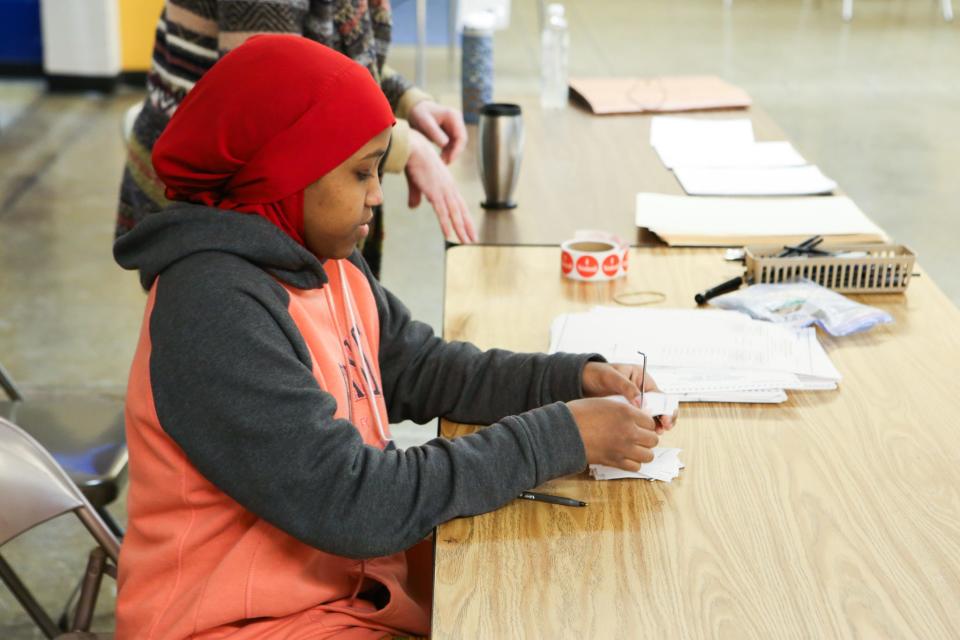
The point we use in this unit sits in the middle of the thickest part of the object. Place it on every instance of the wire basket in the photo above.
(885, 268)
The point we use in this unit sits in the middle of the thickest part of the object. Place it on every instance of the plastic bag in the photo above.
(801, 304)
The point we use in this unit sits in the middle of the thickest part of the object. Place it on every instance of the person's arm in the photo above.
(398, 153)
(240, 19)
(233, 386)
(400, 92)
(402, 96)
(425, 377)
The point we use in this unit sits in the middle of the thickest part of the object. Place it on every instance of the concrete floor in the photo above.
(874, 102)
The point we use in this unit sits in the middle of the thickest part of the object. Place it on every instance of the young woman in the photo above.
(266, 497)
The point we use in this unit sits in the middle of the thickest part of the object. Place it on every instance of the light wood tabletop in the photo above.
(833, 515)
(580, 170)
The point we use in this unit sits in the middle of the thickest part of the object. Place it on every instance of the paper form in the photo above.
(717, 220)
(774, 181)
(753, 155)
(674, 132)
(702, 354)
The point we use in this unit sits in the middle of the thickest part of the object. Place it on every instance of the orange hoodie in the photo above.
(266, 498)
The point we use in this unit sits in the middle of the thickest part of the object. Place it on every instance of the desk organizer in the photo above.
(886, 268)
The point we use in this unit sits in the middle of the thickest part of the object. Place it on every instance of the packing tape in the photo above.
(594, 256)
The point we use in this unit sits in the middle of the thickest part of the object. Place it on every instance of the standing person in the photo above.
(266, 498)
(193, 34)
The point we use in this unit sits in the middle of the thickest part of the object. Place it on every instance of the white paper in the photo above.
(693, 338)
(724, 217)
(754, 155)
(655, 404)
(665, 467)
(703, 355)
(776, 181)
(672, 131)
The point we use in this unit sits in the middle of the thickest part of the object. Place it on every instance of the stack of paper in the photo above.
(665, 467)
(721, 157)
(662, 93)
(668, 132)
(702, 355)
(768, 181)
(717, 143)
(745, 156)
(680, 220)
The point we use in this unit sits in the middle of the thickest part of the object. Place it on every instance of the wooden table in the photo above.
(833, 515)
(580, 170)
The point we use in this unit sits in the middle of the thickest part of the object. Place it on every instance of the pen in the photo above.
(643, 384)
(546, 497)
(643, 377)
(804, 247)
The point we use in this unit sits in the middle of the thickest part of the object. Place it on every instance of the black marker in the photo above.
(546, 497)
(734, 283)
(730, 285)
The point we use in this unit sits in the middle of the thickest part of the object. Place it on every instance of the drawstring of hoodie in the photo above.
(360, 579)
(365, 381)
(367, 377)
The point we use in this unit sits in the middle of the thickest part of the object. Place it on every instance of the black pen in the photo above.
(546, 497)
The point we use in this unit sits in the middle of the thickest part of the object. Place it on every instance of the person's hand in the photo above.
(427, 176)
(441, 125)
(614, 434)
(602, 379)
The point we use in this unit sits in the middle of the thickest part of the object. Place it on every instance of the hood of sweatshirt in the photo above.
(184, 229)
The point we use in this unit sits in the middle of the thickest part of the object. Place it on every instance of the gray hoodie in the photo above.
(231, 381)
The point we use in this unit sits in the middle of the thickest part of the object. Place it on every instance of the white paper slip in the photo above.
(673, 131)
(685, 220)
(665, 467)
(660, 404)
(656, 404)
(777, 181)
(755, 155)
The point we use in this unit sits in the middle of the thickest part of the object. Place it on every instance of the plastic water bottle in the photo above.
(554, 54)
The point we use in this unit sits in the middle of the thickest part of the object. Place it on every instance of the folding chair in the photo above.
(36, 489)
(84, 433)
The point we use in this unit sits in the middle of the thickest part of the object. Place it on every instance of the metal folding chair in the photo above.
(83, 432)
(36, 489)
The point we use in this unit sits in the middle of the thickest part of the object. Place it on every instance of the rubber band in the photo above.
(639, 298)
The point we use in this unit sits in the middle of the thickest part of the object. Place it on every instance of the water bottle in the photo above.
(554, 52)
(477, 64)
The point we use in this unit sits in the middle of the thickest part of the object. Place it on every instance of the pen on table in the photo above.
(546, 497)
(734, 283)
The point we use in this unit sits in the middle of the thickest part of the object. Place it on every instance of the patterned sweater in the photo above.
(192, 35)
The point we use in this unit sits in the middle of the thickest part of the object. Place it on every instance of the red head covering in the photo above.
(272, 116)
